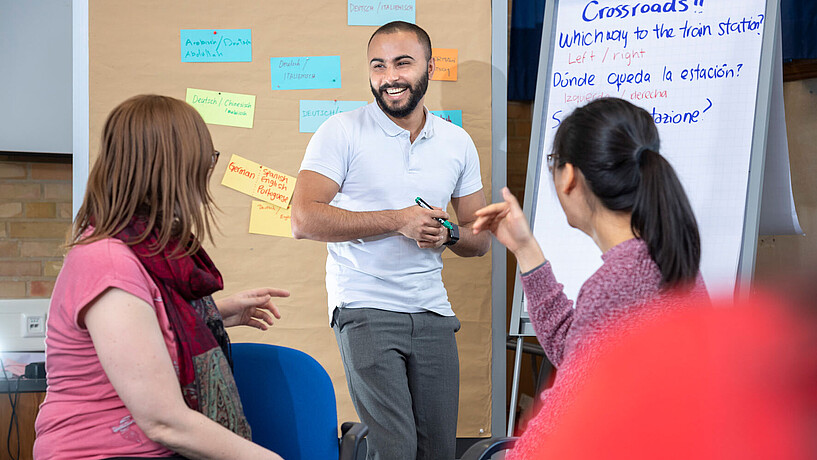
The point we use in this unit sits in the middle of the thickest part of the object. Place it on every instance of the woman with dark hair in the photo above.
(137, 358)
(614, 185)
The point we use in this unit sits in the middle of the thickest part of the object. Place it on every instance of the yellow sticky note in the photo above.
(220, 108)
(445, 64)
(268, 219)
(258, 181)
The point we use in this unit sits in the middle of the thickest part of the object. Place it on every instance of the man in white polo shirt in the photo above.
(387, 304)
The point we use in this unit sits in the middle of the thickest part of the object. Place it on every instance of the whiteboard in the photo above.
(35, 57)
(696, 66)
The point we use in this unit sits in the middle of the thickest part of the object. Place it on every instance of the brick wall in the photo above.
(519, 128)
(35, 215)
(520, 116)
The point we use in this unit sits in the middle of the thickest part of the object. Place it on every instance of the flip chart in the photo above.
(694, 67)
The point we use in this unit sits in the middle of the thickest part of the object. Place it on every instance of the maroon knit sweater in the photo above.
(625, 289)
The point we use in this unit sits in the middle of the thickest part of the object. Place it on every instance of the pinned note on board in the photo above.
(258, 181)
(452, 116)
(445, 64)
(379, 12)
(268, 219)
(313, 113)
(216, 45)
(220, 108)
(305, 72)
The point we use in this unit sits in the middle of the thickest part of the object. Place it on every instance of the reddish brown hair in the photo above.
(155, 161)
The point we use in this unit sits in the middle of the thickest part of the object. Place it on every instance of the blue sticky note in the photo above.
(313, 113)
(216, 45)
(379, 12)
(454, 116)
(305, 72)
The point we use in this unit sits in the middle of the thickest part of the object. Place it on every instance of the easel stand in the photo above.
(517, 363)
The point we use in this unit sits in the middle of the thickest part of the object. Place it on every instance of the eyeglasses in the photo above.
(216, 153)
(551, 160)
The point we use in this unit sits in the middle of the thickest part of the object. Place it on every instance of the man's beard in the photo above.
(417, 92)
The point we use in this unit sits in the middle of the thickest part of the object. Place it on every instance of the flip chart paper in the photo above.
(305, 72)
(445, 64)
(379, 12)
(694, 67)
(313, 113)
(453, 116)
(220, 108)
(258, 181)
(778, 216)
(216, 45)
(268, 219)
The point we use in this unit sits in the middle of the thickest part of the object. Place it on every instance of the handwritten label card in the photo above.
(445, 63)
(220, 108)
(453, 116)
(306, 72)
(216, 45)
(268, 219)
(379, 12)
(258, 181)
(314, 113)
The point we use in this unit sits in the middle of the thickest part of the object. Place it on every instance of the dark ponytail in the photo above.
(616, 147)
(663, 218)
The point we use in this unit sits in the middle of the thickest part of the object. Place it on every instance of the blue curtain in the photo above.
(526, 38)
(799, 24)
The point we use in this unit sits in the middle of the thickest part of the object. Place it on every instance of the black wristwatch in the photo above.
(453, 235)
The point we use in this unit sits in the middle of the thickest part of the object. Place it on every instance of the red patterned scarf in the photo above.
(186, 285)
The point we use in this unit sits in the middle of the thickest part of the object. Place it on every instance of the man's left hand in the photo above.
(435, 240)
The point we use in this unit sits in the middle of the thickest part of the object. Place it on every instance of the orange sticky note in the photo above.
(445, 63)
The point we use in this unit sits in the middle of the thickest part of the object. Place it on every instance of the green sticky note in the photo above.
(220, 108)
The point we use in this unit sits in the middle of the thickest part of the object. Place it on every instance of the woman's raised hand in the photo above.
(510, 227)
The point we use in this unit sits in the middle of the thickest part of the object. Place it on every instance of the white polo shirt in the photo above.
(377, 167)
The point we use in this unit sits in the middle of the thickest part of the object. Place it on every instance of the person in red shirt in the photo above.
(737, 381)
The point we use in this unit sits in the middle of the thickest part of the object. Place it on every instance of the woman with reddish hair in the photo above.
(137, 357)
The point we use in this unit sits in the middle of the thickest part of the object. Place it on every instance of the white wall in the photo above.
(35, 76)
(16, 316)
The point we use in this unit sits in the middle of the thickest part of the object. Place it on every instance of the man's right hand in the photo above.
(422, 226)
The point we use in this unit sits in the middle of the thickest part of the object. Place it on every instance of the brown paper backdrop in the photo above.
(134, 49)
(786, 256)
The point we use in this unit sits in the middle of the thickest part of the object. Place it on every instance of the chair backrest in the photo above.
(288, 399)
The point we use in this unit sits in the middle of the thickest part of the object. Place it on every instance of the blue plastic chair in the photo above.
(290, 404)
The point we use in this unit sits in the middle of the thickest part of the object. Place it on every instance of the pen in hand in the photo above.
(421, 203)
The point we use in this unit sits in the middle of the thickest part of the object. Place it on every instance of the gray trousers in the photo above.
(403, 376)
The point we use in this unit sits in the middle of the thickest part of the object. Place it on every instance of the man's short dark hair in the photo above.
(401, 26)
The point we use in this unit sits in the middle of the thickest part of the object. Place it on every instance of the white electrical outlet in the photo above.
(33, 326)
(23, 324)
